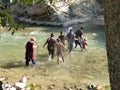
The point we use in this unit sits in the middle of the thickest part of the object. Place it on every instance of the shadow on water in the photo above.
(10, 65)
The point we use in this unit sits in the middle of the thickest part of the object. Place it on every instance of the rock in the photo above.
(24, 79)
(60, 14)
(99, 87)
(1, 79)
(7, 85)
(20, 85)
(17, 8)
(40, 9)
(50, 87)
(70, 89)
(91, 86)
(54, 85)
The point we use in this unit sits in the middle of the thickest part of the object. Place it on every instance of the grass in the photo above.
(79, 70)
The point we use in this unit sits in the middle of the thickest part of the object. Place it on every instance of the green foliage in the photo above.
(107, 87)
(31, 2)
(6, 20)
(6, 16)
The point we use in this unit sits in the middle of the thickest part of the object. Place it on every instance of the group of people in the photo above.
(51, 44)
(77, 38)
(58, 43)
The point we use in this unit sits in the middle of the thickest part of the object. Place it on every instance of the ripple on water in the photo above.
(5, 34)
(34, 33)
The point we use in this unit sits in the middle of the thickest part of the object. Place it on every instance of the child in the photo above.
(60, 48)
(84, 43)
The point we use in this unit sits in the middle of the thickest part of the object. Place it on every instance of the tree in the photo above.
(6, 16)
(6, 19)
(112, 24)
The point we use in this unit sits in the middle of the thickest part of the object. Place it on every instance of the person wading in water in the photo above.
(60, 48)
(30, 51)
(50, 45)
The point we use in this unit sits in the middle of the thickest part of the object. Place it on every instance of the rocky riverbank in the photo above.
(60, 14)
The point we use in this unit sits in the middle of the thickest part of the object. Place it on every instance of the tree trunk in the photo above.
(112, 24)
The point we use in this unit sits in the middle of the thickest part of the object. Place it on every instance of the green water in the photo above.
(12, 48)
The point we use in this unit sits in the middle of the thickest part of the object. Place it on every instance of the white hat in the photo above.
(86, 38)
(70, 28)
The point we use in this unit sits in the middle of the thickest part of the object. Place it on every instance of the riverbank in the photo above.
(97, 21)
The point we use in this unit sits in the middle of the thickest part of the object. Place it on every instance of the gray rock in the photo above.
(60, 14)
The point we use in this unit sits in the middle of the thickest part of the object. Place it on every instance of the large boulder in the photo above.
(61, 13)
(17, 8)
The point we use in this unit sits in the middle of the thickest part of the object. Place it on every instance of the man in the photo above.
(30, 51)
(78, 37)
(70, 38)
(50, 46)
(62, 38)
(79, 33)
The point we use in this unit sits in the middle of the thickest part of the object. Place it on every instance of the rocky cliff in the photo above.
(60, 14)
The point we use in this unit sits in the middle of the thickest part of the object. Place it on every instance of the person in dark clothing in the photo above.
(1, 88)
(30, 51)
(70, 38)
(50, 45)
(78, 37)
(62, 38)
(79, 33)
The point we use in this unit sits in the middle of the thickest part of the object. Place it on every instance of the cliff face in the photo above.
(60, 13)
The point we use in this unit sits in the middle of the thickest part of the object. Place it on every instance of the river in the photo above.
(12, 47)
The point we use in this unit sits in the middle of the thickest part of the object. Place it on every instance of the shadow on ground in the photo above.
(15, 64)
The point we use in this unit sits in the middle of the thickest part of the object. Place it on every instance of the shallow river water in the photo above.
(12, 48)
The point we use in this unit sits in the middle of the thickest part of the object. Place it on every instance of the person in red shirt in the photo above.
(84, 43)
(30, 51)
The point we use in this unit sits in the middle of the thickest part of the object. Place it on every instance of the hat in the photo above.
(85, 39)
(33, 39)
(70, 28)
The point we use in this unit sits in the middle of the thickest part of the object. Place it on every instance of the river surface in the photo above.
(80, 67)
(12, 47)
